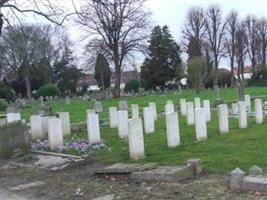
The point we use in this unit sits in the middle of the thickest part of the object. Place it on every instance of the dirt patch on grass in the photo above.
(80, 183)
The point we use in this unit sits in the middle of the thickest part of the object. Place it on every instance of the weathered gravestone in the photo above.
(207, 109)
(149, 123)
(154, 108)
(172, 127)
(197, 102)
(190, 117)
(136, 139)
(93, 129)
(67, 100)
(55, 133)
(258, 111)
(65, 119)
(45, 125)
(98, 107)
(223, 118)
(183, 107)
(36, 127)
(113, 117)
(242, 114)
(13, 136)
(200, 124)
(123, 105)
(248, 103)
(13, 117)
(123, 127)
(135, 111)
(169, 107)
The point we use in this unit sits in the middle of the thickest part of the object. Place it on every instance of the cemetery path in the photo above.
(81, 184)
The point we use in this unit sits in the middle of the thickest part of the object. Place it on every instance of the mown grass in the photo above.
(219, 153)
(77, 108)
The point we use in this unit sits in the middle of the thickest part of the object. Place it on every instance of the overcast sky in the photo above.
(173, 12)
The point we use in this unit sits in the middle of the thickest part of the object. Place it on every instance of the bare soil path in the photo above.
(81, 184)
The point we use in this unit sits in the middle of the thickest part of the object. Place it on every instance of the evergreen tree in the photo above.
(102, 72)
(65, 74)
(163, 61)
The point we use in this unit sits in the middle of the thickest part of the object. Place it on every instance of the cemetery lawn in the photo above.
(219, 153)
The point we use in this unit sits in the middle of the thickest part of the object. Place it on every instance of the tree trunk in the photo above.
(240, 90)
(215, 83)
(117, 91)
(27, 79)
(232, 73)
(28, 87)
(1, 23)
(240, 86)
(264, 55)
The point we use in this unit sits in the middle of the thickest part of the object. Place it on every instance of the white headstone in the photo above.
(206, 106)
(248, 103)
(90, 111)
(36, 127)
(172, 126)
(113, 117)
(67, 100)
(169, 102)
(45, 124)
(190, 116)
(136, 139)
(258, 111)
(234, 109)
(93, 129)
(154, 108)
(149, 123)
(135, 111)
(201, 126)
(169, 108)
(65, 118)
(13, 117)
(123, 105)
(123, 123)
(98, 107)
(55, 133)
(223, 118)
(183, 107)
(242, 114)
(197, 102)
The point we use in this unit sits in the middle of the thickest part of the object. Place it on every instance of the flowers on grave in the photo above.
(77, 147)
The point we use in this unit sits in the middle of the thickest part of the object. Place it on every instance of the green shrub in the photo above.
(259, 78)
(3, 104)
(6, 92)
(132, 86)
(48, 90)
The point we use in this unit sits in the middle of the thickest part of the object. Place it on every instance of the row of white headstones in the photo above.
(49, 127)
(132, 129)
(194, 113)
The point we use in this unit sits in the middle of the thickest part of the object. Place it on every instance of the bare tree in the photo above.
(241, 52)
(48, 9)
(215, 34)
(251, 39)
(230, 41)
(119, 27)
(262, 38)
(27, 47)
(194, 26)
